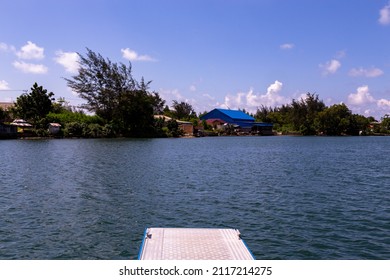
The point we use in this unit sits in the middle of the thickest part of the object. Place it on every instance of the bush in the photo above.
(73, 129)
(69, 117)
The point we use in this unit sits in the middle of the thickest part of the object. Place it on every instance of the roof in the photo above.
(20, 122)
(236, 114)
(229, 116)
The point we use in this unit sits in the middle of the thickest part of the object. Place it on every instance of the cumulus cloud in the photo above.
(384, 15)
(69, 60)
(3, 85)
(134, 56)
(362, 96)
(31, 51)
(286, 46)
(170, 94)
(330, 67)
(383, 103)
(362, 102)
(30, 67)
(251, 101)
(370, 73)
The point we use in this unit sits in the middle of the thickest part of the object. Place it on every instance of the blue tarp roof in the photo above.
(236, 114)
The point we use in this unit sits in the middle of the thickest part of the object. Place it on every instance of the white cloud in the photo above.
(251, 101)
(235, 101)
(208, 96)
(362, 102)
(384, 15)
(362, 96)
(287, 46)
(72, 92)
(170, 94)
(5, 48)
(70, 60)
(134, 56)
(370, 73)
(30, 67)
(330, 67)
(192, 88)
(31, 51)
(383, 103)
(3, 85)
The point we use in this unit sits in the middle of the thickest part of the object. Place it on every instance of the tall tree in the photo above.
(34, 106)
(4, 115)
(101, 83)
(263, 114)
(304, 112)
(113, 94)
(334, 120)
(183, 110)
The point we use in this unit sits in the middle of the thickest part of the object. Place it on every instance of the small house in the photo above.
(54, 128)
(239, 120)
(21, 124)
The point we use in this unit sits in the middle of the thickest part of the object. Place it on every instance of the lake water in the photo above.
(291, 197)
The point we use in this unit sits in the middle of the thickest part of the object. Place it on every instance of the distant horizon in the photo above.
(210, 54)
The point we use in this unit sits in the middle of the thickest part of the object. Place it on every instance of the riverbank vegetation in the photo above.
(310, 116)
(118, 105)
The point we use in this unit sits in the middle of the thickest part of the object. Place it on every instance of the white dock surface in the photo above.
(193, 244)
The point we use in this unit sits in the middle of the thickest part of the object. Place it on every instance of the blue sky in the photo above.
(209, 53)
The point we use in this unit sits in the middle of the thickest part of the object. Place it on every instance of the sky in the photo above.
(237, 54)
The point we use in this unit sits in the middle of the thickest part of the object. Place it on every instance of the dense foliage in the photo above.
(34, 106)
(113, 94)
(4, 115)
(182, 111)
(310, 116)
(122, 106)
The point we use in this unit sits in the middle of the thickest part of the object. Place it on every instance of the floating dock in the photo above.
(193, 244)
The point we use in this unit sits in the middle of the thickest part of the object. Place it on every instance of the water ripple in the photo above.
(291, 197)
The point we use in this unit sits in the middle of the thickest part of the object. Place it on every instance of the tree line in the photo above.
(310, 116)
(122, 106)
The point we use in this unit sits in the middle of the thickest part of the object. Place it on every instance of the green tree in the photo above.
(34, 106)
(135, 113)
(113, 94)
(385, 124)
(358, 125)
(304, 112)
(4, 115)
(263, 114)
(101, 82)
(334, 120)
(173, 129)
(183, 111)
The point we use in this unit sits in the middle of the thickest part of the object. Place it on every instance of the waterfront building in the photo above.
(240, 120)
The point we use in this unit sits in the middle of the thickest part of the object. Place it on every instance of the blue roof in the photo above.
(236, 114)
